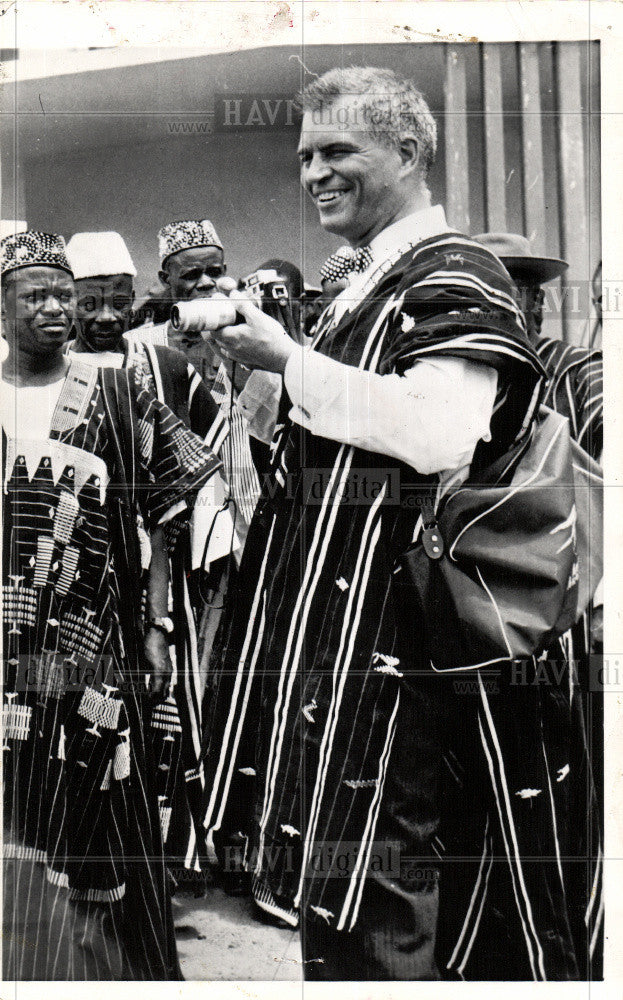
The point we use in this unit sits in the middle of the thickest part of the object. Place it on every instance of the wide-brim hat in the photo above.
(516, 254)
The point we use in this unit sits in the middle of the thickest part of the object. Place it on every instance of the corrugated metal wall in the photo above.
(555, 96)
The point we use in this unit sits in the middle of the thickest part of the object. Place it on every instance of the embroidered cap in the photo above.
(176, 236)
(33, 249)
(345, 261)
(94, 254)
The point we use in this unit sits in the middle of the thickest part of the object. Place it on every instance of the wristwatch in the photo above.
(163, 624)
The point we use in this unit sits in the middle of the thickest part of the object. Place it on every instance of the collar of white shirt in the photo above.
(413, 228)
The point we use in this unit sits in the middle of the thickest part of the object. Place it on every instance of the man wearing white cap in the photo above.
(104, 273)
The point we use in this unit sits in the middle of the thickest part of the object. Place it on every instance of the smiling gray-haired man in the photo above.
(376, 818)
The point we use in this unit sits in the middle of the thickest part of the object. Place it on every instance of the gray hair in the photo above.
(392, 108)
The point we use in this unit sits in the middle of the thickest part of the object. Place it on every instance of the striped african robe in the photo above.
(238, 467)
(176, 728)
(84, 879)
(575, 389)
(322, 710)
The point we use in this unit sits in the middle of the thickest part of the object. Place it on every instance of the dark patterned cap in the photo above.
(176, 236)
(33, 249)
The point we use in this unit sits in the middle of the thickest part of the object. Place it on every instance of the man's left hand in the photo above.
(259, 342)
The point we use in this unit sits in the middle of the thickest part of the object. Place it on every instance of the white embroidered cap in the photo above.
(93, 254)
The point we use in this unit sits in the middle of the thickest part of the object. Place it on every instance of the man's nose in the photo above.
(315, 170)
(105, 314)
(52, 305)
(205, 281)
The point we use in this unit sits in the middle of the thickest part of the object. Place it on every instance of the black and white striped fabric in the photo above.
(238, 463)
(576, 389)
(85, 892)
(320, 694)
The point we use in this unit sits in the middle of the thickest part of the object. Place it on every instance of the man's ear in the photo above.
(409, 151)
(3, 298)
(164, 277)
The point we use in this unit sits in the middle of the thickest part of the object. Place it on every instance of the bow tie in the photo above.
(345, 261)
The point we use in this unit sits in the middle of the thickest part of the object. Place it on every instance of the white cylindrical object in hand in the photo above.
(203, 315)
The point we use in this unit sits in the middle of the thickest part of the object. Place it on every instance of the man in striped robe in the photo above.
(94, 467)
(575, 390)
(402, 815)
(104, 279)
(192, 266)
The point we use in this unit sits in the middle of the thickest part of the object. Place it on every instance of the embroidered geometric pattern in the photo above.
(98, 895)
(80, 636)
(166, 716)
(165, 818)
(75, 397)
(19, 604)
(49, 675)
(345, 261)
(186, 452)
(105, 785)
(194, 773)
(57, 878)
(32, 249)
(68, 570)
(65, 518)
(142, 374)
(22, 852)
(146, 439)
(100, 710)
(45, 551)
(16, 721)
(176, 236)
(121, 762)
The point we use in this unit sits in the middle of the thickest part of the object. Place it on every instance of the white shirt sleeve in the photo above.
(431, 418)
(259, 404)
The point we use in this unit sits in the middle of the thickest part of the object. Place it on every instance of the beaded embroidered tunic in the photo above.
(79, 774)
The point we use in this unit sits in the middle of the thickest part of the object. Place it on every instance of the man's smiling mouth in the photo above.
(328, 197)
